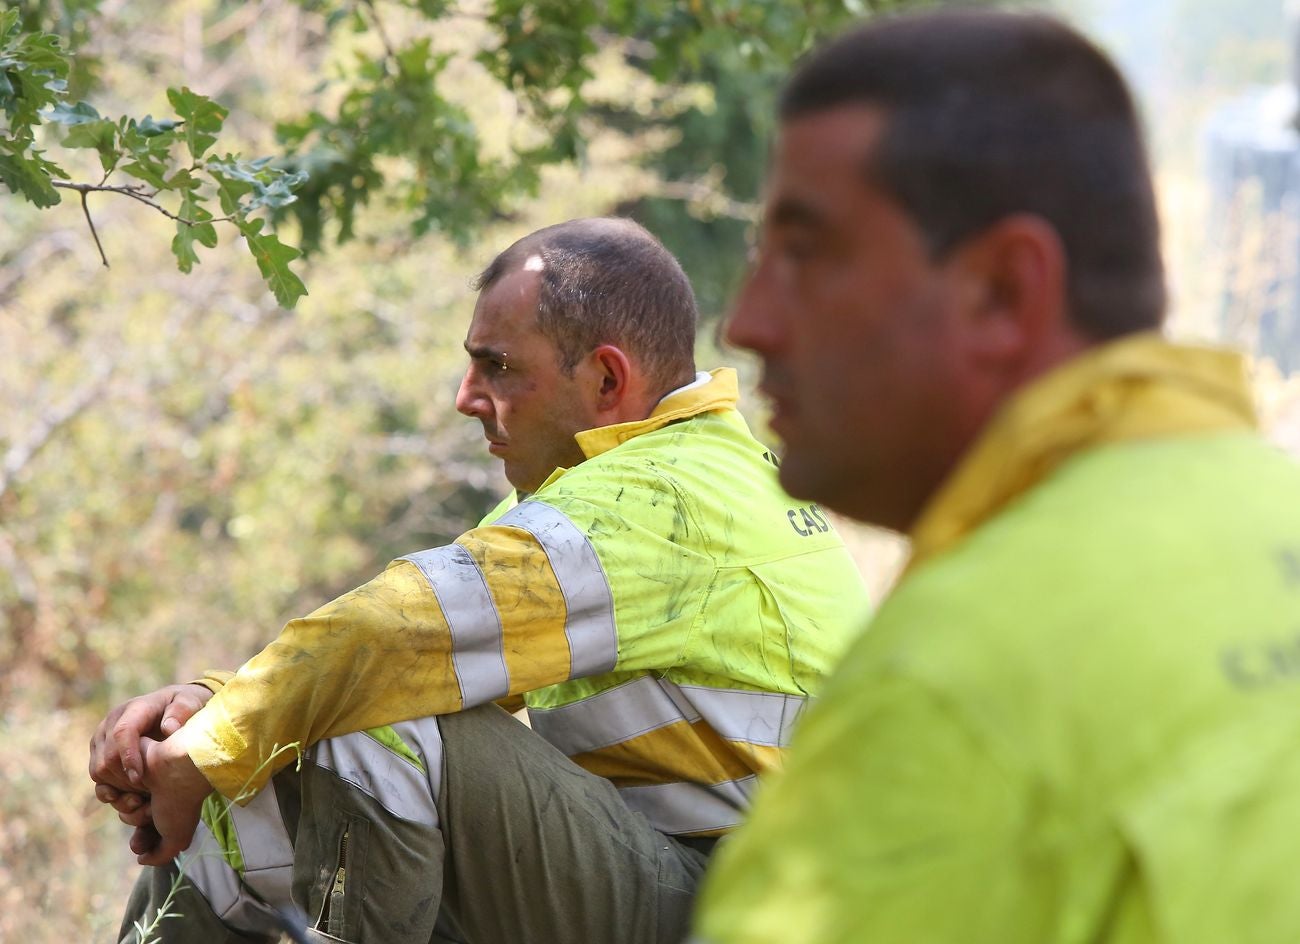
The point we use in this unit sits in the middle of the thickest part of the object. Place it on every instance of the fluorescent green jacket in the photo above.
(664, 607)
(1077, 719)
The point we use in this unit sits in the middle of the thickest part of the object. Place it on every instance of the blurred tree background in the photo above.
(185, 464)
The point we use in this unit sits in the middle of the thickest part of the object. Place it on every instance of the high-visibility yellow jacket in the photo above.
(664, 606)
(1077, 718)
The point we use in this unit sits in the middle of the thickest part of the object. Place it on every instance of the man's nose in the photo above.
(469, 398)
(753, 321)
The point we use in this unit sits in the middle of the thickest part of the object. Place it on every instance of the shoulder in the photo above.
(1077, 586)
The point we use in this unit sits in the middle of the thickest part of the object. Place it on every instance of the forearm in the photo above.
(388, 652)
(378, 655)
(239, 741)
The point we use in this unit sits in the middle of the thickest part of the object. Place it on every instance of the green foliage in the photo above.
(33, 92)
(202, 119)
(389, 117)
(393, 108)
(33, 76)
(273, 258)
(542, 46)
(541, 52)
(740, 51)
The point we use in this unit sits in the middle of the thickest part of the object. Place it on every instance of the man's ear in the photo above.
(1013, 283)
(613, 371)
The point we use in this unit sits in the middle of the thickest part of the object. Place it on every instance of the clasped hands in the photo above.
(141, 768)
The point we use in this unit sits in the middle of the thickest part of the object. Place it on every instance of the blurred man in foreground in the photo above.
(663, 629)
(1077, 718)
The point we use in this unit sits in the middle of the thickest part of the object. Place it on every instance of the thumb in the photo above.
(179, 710)
(144, 840)
(147, 746)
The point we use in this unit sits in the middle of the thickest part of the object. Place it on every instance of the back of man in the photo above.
(731, 609)
(1093, 744)
(1075, 719)
(1135, 689)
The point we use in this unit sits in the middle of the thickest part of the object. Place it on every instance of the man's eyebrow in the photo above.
(481, 351)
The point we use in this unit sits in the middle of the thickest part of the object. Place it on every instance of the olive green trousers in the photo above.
(461, 829)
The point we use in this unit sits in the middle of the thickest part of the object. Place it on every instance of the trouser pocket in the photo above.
(341, 886)
(380, 885)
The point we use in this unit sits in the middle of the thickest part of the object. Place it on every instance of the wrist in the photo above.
(199, 690)
(171, 768)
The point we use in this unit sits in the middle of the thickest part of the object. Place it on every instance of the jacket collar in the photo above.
(1140, 387)
(720, 393)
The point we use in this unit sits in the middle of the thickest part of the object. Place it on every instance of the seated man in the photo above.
(663, 607)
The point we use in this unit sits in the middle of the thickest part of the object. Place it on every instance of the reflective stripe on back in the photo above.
(590, 628)
(610, 717)
(475, 626)
(753, 717)
(646, 703)
(424, 737)
(677, 808)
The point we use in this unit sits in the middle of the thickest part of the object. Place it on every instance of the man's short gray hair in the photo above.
(607, 280)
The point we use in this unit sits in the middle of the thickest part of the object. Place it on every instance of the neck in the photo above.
(646, 399)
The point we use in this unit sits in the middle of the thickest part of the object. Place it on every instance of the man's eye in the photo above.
(798, 250)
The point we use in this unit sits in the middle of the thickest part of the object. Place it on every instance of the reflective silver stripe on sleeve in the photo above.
(395, 783)
(590, 628)
(266, 847)
(475, 626)
(621, 713)
(267, 852)
(425, 738)
(219, 884)
(677, 808)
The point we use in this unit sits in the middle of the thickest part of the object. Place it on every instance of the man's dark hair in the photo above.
(991, 114)
(608, 281)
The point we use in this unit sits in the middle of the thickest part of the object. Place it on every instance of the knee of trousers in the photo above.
(485, 734)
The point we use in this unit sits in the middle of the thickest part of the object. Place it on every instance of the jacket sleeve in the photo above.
(507, 609)
(213, 679)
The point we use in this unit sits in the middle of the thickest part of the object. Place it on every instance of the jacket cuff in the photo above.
(213, 679)
(218, 749)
